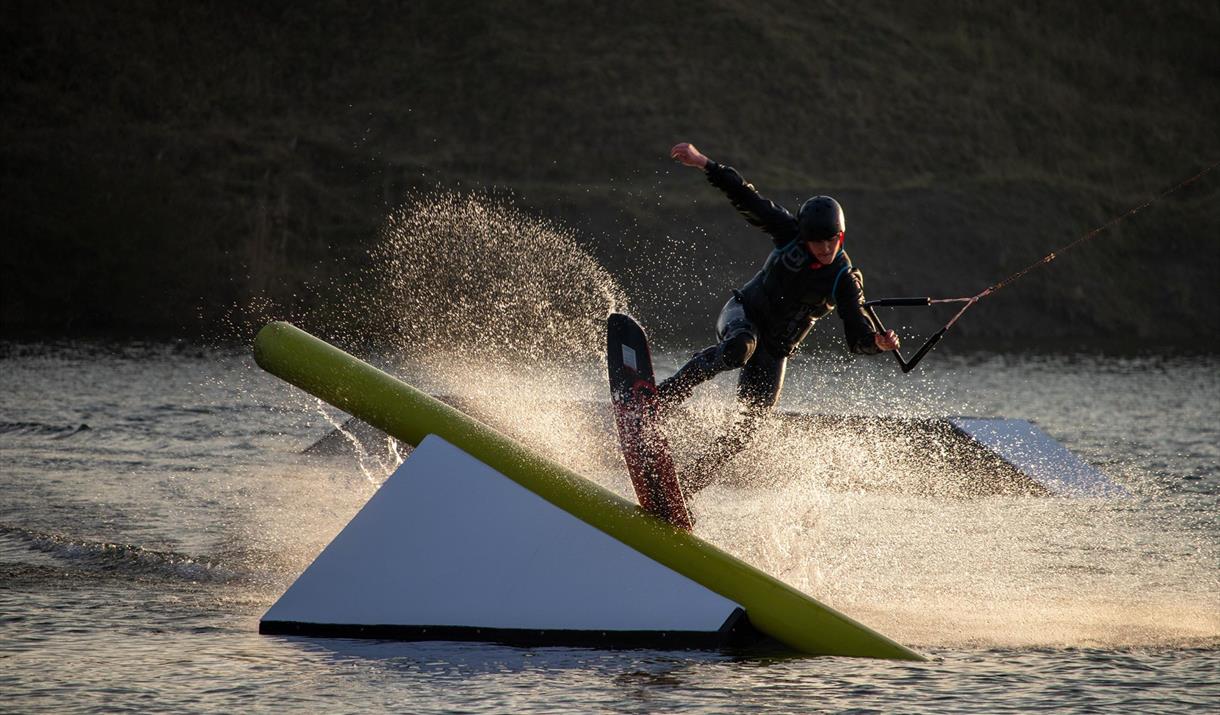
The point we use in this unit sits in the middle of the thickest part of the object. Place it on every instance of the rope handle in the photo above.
(909, 365)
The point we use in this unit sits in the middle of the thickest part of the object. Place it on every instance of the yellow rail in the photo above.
(354, 386)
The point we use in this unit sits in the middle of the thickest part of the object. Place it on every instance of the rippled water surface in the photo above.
(155, 502)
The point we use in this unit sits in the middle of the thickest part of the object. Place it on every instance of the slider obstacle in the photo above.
(537, 525)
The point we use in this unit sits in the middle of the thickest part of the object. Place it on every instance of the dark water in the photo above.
(154, 504)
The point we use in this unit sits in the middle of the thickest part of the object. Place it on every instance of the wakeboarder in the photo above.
(806, 276)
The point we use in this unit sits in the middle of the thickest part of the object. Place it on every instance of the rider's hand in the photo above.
(886, 341)
(686, 154)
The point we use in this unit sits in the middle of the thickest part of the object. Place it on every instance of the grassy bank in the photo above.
(163, 163)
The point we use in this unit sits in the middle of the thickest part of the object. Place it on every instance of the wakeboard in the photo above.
(633, 390)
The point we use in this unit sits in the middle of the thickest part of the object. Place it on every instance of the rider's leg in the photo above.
(738, 342)
(758, 390)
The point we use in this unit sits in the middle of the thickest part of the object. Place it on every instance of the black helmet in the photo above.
(820, 219)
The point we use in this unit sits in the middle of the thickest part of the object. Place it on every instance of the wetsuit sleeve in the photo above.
(858, 327)
(761, 212)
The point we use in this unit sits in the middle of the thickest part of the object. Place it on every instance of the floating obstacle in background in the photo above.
(948, 456)
(476, 537)
(1037, 456)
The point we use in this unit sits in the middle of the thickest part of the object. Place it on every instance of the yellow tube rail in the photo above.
(778, 610)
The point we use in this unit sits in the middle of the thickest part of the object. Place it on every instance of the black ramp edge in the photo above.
(737, 632)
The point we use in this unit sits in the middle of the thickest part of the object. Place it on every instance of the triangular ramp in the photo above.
(450, 549)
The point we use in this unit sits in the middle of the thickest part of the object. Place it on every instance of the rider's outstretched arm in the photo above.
(759, 211)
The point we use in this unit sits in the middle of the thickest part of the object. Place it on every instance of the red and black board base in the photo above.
(634, 393)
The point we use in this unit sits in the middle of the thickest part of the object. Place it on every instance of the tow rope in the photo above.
(909, 364)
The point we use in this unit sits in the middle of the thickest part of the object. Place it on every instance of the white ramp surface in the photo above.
(1039, 456)
(449, 541)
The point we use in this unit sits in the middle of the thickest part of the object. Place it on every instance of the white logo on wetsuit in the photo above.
(794, 257)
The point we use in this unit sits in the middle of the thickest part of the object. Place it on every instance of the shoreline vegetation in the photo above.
(169, 167)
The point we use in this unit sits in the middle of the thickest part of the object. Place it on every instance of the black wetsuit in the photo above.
(767, 318)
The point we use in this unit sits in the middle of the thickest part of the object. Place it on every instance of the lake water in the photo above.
(154, 502)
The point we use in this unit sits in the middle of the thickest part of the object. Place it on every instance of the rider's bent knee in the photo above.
(736, 351)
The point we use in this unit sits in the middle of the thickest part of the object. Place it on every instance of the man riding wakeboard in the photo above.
(806, 276)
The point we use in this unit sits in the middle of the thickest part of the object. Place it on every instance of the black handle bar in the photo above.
(906, 365)
(897, 302)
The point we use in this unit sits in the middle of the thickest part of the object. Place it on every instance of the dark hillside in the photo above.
(163, 161)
